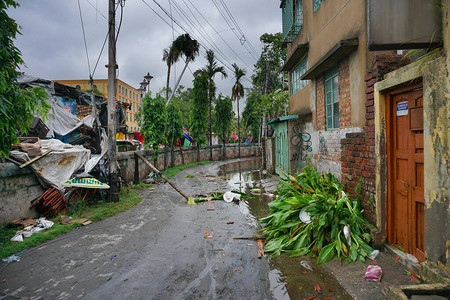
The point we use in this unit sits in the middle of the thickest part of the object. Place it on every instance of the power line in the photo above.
(216, 32)
(240, 38)
(238, 27)
(104, 17)
(84, 38)
(226, 64)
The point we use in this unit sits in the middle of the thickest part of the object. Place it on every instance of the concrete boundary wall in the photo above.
(18, 187)
(126, 159)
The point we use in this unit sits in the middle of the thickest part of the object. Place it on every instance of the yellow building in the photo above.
(125, 93)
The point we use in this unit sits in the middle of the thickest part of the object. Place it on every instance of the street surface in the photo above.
(158, 250)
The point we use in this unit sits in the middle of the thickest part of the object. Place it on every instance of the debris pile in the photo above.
(313, 215)
(41, 224)
(50, 203)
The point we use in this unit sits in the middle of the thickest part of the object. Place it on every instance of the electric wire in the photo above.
(237, 26)
(104, 17)
(84, 38)
(225, 42)
(226, 64)
(202, 33)
(243, 42)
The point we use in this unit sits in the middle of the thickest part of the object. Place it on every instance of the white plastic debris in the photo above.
(305, 265)
(412, 258)
(347, 234)
(230, 196)
(11, 258)
(29, 230)
(374, 254)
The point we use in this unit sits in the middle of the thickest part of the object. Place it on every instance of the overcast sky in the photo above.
(53, 48)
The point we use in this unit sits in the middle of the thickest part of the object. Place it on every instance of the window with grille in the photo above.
(292, 19)
(296, 83)
(332, 98)
(316, 4)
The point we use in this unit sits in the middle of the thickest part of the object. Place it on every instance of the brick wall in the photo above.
(320, 109)
(344, 97)
(358, 149)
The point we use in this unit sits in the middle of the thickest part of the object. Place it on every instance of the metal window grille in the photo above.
(292, 13)
(316, 4)
(332, 98)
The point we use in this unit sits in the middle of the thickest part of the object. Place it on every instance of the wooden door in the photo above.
(406, 170)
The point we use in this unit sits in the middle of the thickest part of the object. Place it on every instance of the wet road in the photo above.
(157, 250)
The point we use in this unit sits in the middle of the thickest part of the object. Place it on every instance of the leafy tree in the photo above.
(199, 110)
(251, 116)
(274, 104)
(211, 69)
(183, 100)
(153, 118)
(17, 106)
(267, 75)
(223, 115)
(174, 127)
(264, 97)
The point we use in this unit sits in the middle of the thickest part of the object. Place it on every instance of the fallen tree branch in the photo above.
(162, 175)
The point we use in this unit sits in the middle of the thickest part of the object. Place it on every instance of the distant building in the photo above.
(125, 93)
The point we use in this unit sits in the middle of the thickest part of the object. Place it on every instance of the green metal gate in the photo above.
(281, 148)
(281, 143)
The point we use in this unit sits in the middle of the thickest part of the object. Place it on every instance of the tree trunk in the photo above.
(165, 157)
(167, 84)
(181, 151)
(178, 82)
(172, 156)
(198, 152)
(239, 130)
(155, 160)
(224, 156)
(210, 129)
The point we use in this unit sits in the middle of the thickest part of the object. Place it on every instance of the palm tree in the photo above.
(187, 47)
(211, 69)
(237, 91)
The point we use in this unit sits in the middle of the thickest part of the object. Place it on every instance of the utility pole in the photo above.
(112, 66)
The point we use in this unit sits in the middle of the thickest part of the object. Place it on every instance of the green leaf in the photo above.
(298, 252)
(326, 253)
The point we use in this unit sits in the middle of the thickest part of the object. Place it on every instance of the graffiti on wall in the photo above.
(323, 149)
(301, 142)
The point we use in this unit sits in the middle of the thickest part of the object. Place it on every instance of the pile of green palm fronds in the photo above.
(336, 225)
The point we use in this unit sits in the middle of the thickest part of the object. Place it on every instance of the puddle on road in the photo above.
(288, 279)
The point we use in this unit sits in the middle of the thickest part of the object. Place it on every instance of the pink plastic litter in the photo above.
(373, 273)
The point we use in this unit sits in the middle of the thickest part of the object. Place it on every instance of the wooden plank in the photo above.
(35, 159)
(210, 205)
(162, 175)
(260, 249)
